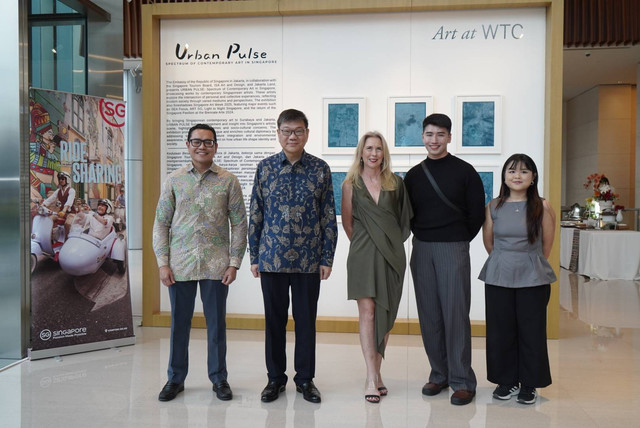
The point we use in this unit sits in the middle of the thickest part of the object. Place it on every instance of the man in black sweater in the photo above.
(448, 213)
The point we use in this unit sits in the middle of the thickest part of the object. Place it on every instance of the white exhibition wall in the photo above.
(442, 55)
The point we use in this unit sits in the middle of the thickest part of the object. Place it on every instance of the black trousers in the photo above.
(517, 335)
(305, 290)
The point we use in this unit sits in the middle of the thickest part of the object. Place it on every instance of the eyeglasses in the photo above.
(196, 142)
(299, 132)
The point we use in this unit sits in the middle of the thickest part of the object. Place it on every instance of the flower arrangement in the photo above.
(602, 190)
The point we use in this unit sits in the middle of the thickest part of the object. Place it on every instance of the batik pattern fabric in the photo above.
(200, 226)
(292, 223)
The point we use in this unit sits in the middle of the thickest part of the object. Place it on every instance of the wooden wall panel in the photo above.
(587, 23)
(601, 23)
(132, 27)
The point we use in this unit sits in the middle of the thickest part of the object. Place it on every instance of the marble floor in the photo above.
(595, 367)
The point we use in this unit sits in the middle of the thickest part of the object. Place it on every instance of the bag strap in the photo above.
(437, 188)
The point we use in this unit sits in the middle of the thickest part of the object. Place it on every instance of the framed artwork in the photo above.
(405, 116)
(342, 124)
(402, 173)
(401, 166)
(478, 124)
(338, 174)
(490, 176)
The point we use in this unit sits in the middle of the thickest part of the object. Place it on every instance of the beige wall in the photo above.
(601, 137)
(637, 157)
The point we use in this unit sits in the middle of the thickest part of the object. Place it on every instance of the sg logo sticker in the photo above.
(111, 111)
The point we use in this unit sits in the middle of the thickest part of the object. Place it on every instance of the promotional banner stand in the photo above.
(80, 293)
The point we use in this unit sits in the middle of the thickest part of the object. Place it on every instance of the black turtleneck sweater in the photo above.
(435, 221)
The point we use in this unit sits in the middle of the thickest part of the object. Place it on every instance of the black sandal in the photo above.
(372, 398)
(370, 395)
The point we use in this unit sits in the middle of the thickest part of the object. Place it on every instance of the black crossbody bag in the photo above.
(437, 188)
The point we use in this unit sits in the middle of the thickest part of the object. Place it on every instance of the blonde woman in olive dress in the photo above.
(375, 215)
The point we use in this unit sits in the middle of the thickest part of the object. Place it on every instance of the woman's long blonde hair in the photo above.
(387, 180)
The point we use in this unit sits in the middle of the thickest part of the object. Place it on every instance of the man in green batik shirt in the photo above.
(199, 204)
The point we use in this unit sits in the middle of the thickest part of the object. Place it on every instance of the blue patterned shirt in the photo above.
(292, 223)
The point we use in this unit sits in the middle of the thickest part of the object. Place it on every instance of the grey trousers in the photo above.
(442, 279)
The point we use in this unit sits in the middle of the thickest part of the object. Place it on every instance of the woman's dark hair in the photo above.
(535, 209)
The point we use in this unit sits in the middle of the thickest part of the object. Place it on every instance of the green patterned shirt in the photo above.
(193, 218)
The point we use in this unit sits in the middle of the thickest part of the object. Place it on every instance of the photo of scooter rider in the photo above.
(49, 237)
(92, 240)
(52, 218)
(61, 201)
(64, 196)
(97, 223)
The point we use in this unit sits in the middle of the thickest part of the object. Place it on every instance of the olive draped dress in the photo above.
(377, 261)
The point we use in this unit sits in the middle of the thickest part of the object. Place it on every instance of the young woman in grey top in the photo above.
(518, 234)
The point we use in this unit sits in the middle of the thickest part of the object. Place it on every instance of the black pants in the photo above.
(517, 335)
(305, 290)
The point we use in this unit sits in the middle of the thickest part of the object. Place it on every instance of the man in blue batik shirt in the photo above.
(292, 240)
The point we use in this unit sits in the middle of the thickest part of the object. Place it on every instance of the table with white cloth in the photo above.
(566, 246)
(602, 254)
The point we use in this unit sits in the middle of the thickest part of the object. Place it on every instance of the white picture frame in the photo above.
(343, 122)
(404, 123)
(491, 176)
(478, 124)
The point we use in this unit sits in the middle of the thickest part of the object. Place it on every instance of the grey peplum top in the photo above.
(514, 262)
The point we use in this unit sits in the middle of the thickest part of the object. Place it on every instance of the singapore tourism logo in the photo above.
(45, 334)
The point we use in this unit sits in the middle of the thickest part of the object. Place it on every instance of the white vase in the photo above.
(605, 205)
(619, 217)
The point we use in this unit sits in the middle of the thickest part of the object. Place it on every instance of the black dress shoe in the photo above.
(223, 390)
(309, 392)
(272, 391)
(462, 397)
(431, 388)
(170, 390)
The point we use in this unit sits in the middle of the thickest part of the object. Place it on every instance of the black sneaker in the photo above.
(505, 392)
(527, 395)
